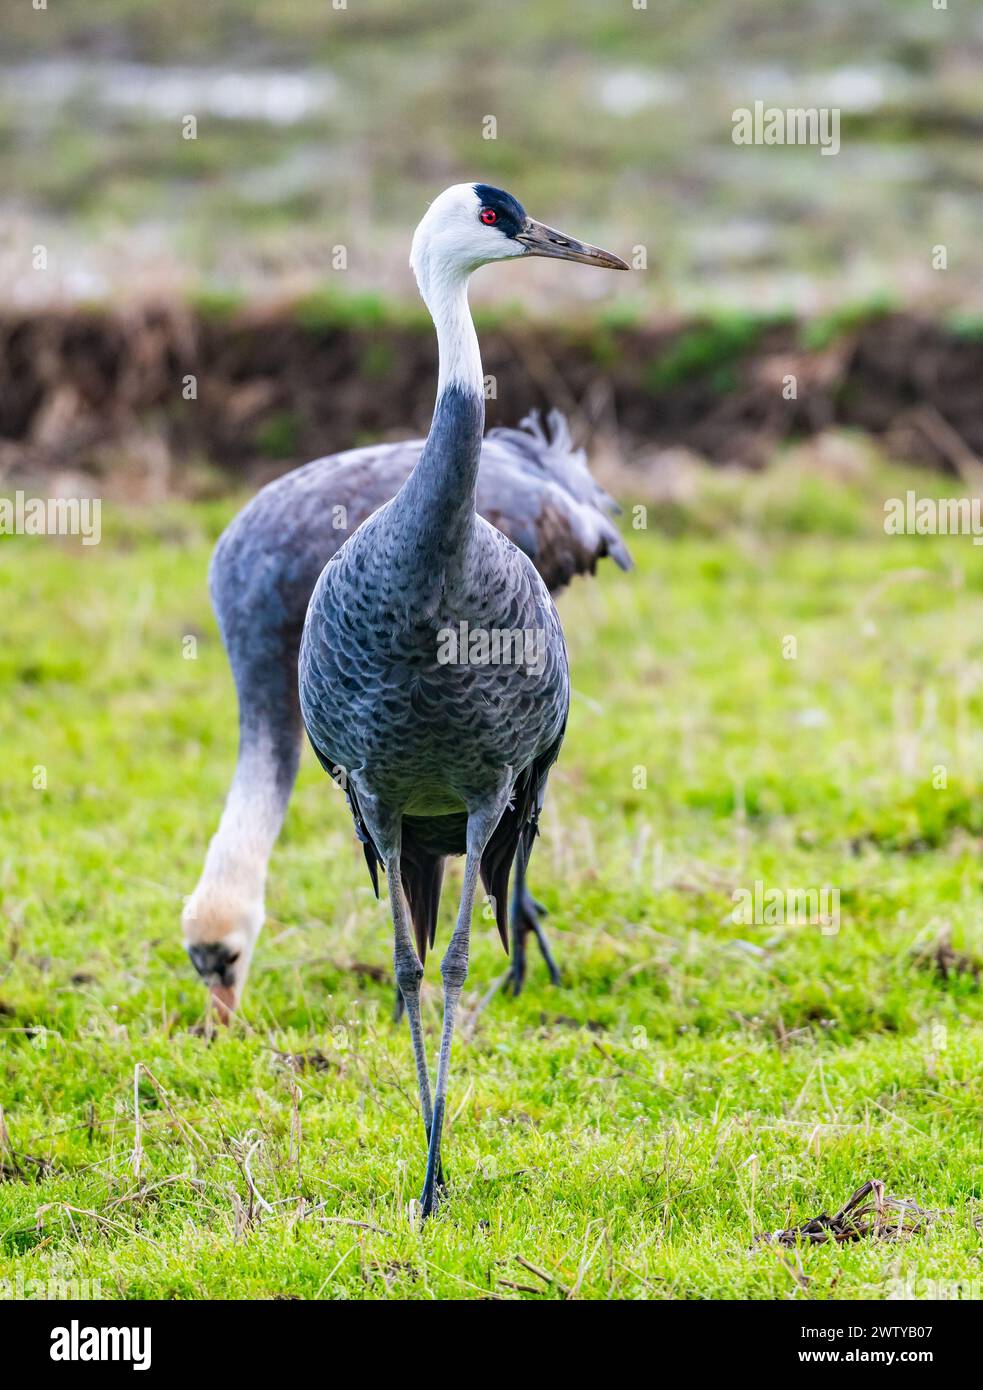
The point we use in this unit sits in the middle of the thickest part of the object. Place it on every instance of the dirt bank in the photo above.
(165, 391)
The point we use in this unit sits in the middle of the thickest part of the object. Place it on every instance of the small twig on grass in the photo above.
(336, 1220)
(185, 1130)
(139, 1193)
(102, 1220)
(253, 1189)
(585, 1265)
(542, 1274)
(240, 1220)
(859, 1219)
(362, 1225)
(137, 1158)
(240, 1156)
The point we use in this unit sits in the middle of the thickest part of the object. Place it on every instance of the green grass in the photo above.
(693, 1083)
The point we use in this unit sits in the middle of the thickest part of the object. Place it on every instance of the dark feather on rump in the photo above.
(422, 875)
(372, 857)
(428, 840)
(520, 822)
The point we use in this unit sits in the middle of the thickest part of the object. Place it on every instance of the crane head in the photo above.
(220, 931)
(471, 224)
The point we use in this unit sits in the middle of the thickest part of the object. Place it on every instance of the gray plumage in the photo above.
(421, 739)
(532, 484)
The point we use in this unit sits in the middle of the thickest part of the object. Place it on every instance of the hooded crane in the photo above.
(532, 484)
(443, 747)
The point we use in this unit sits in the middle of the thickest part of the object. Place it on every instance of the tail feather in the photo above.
(569, 527)
(519, 826)
(617, 549)
(496, 868)
(427, 840)
(549, 445)
(422, 875)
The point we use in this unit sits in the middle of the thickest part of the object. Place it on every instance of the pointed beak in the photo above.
(541, 240)
(215, 963)
(224, 1002)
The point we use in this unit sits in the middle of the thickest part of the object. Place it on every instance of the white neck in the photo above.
(445, 293)
(240, 849)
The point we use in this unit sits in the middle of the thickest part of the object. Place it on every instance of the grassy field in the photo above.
(693, 1083)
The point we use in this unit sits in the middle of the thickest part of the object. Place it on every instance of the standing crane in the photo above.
(443, 746)
(532, 484)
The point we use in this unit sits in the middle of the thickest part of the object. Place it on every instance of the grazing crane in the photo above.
(433, 671)
(532, 484)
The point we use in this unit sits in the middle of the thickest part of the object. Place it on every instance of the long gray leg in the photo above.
(409, 973)
(517, 969)
(454, 969)
(385, 831)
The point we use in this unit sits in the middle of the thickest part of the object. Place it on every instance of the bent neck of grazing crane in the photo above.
(442, 487)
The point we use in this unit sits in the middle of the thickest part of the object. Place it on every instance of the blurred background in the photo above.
(320, 129)
(319, 125)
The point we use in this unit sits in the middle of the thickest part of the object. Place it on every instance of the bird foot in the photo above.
(432, 1196)
(428, 1204)
(434, 1184)
(525, 920)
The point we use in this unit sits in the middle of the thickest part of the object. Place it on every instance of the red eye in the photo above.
(489, 216)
